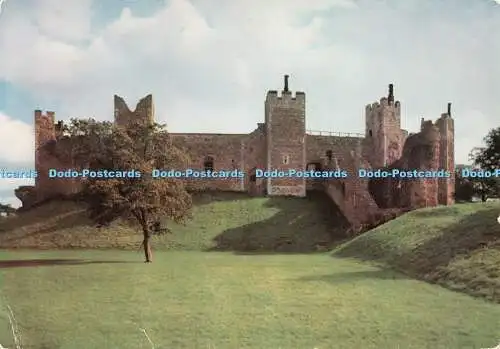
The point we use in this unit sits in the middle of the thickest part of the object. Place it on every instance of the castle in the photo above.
(282, 142)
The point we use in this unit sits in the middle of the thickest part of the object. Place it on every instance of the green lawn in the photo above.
(6, 337)
(221, 300)
(227, 280)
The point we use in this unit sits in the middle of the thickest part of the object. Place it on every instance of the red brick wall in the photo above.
(45, 159)
(226, 150)
(420, 152)
(283, 134)
(446, 187)
(255, 152)
(383, 132)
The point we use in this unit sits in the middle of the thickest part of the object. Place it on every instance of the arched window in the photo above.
(329, 155)
(208, 164)
(370, 133)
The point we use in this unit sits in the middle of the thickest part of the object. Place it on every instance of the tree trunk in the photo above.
(148, 254)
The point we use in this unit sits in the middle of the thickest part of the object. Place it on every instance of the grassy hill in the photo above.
(456, 246)
(221, 221)
(193, 299)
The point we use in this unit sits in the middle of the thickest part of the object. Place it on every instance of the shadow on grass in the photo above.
(66, 209)
(436, 212)
(70, 212)
(356, 276)
(430, 260)
(24, 263)
(477, 230)
(67, 220)
(301, 225)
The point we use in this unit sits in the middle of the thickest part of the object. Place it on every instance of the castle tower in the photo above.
(144, 111)
(44, 128)
(427, 158)
(285, 140)
(446, 186)
(383, 130)
(44, 133)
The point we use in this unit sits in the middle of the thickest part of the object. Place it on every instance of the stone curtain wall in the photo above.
(281, 142)
(226, 152)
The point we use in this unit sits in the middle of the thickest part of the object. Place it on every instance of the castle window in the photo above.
(314, 166)
(370, 133)
(329, 155)
(233, 163)
(208, 164)
(286, 159)
(253, 176)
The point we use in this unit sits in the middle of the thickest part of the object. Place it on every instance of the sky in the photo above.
(209, 64)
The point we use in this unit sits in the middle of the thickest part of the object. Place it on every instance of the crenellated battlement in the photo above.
(40, 116)
(273, 94)
(427, 125)
(44, 127)
(445, 121)
(443, 124)
(382, 104)
(286, 98)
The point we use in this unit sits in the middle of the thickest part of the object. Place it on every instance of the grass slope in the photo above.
(222, 221)
(101, 299)
(456, 246)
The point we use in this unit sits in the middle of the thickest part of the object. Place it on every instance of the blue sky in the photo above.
(210, 63)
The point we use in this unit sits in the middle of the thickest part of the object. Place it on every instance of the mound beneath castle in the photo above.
(455, 246)
(221, 221)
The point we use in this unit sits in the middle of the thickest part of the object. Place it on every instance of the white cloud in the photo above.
(17, 144)
(2, 3)
(209, 65)
(13, 201)
(64, 20)
(16, 140)
(7, 187)
(12, 183)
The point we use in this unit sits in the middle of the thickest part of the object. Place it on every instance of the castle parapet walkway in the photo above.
(335, 134)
